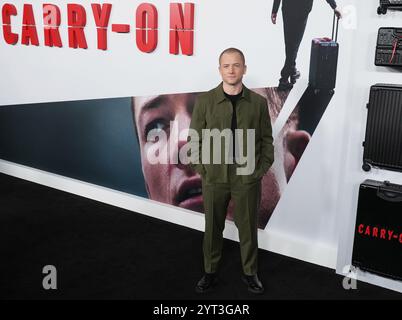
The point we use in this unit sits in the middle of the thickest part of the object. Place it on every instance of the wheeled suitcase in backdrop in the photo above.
(389, 4)
(377, 245)
(389, 47)
(324, 60)
(383, 141)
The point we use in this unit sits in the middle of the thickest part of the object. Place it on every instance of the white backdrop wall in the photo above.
(363, 74)
(321, 197)
(123, 70)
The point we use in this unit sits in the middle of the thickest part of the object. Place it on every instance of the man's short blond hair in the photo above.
(232, 50)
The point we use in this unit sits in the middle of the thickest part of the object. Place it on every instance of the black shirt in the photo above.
(234, 99)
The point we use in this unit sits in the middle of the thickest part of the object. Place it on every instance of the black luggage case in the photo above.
(389, 4)
(389, 47)
(377, 245)
(324, 61)
(383, 141)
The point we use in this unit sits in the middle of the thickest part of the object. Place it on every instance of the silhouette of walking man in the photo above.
(295, 15)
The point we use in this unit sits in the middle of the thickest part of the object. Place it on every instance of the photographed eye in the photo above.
(153, 128)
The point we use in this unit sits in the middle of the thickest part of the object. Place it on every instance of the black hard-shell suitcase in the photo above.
(389, 47)
(389, 4)
(324, 61)
(383, 141)
(377, 245)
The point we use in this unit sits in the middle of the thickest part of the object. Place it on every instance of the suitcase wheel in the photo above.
(366, 167)
(381, 10)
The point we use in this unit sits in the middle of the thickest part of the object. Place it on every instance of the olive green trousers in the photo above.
(246, 199)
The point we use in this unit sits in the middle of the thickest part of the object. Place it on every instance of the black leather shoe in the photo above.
(206, 283)
(284, 85)
(294, 77)
(254, 284)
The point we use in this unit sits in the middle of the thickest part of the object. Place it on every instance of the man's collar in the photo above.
(220, 94)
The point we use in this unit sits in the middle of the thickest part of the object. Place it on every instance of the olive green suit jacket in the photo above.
(213, 110)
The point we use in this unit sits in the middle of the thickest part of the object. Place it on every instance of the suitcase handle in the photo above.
(388, 195)
(333, 28)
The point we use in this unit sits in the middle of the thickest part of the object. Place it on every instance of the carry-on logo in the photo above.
(180, 32)
(379, 233)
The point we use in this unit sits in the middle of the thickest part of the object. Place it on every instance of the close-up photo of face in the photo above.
(171, 183)
(176, 183)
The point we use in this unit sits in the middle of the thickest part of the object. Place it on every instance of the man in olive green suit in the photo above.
(233, 108)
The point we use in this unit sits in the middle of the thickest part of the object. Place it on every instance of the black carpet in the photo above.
(104, 252)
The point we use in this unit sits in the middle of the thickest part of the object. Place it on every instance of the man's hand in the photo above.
(338, 13)
(273, 18)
